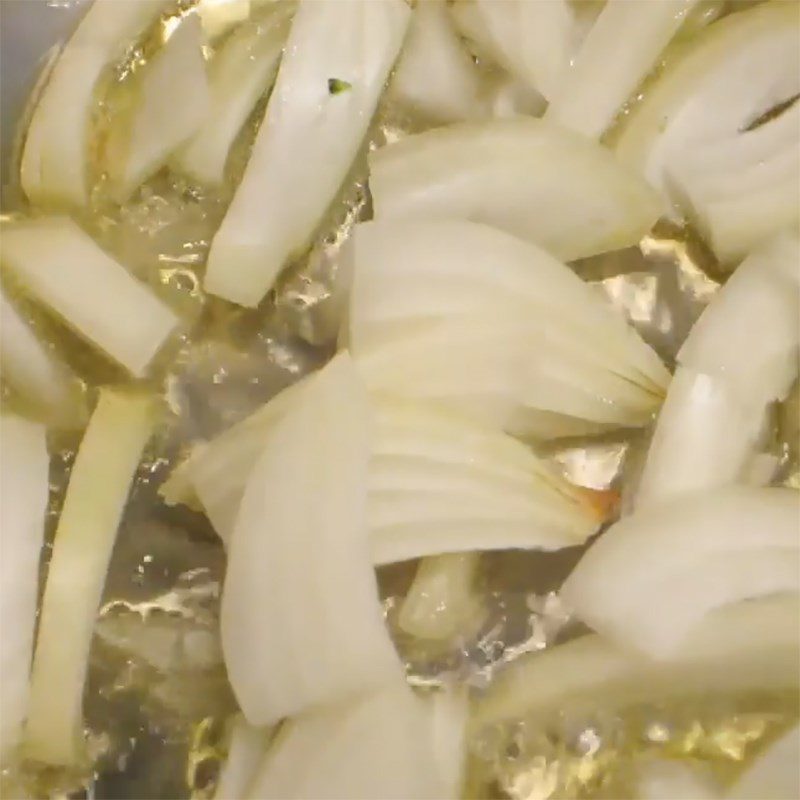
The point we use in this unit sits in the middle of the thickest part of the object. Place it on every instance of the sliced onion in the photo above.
(716, 408)
(242, 70)
(752, 646)
(24, 489)
(218, 16)
(763, 296)
(338, 57)
(774, 774)
(55, 157)
(725, 79)
(63, 268)
(435, 76)
(245, 750)
(667, 779)
(388, 744)
(301, 619)
(33, 370)
(441, 602)
(651, 578)
(173, 103)
(528, 177)
(603, 75)
(743, 189)
(87, 527)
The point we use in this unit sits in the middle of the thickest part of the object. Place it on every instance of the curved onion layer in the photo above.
(32, 370)
(435, 76)
(774, 773)
(173, 103)
(742, 189)
(338, 57)
(603, 75)
(457, 312)
(87, 527)
(301, 619)
(529, 177)
(651, 578)
(388, 744)
(245, 750)
(63, 268)
(754, 51)
(716, 407)
(241, 71)
(668, 779)
(55, 157)
(746, 646)
(439, 484)
(24, 490)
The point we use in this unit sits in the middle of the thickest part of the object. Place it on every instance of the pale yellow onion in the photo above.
(742, 647)
(24, 491)
(529, 177)
(98, 489)
(312, 131)
(62, 267)
(652, 577)
(240, 72)
(173, 102)
(56, 153)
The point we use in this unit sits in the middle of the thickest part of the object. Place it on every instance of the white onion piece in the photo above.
(603, 74)
(245, 750)
(762, 296)
(435, 75)
(442, 603)
(389, 744)
(215, 473)
(741, 190)
(63, 268)
(98, 489)
(745, 646)
(24, 489)
(55, 157)
(33, 371)
(529, 177)
(241, 71)
(310, 135)
(173, 103)
(774, 775)
(716, 407)
(651, 578)
(754, 50)
(301, 620)
(705, 437)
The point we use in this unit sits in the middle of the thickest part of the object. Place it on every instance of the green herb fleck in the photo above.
(337, 86)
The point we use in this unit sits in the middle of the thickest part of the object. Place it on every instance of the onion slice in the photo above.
(98, 488)
(529, 177)
(245, 750)
(241, 71)
(388, 744)
(603, 75)
(651, 578)
(63, 268)
(435, 75)
(24, 489)
(716, 409)
(746, 646)
(301, 619)
(692, 101)
(338, 57)
(33, 370)
(56, 152)
(173, 103)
